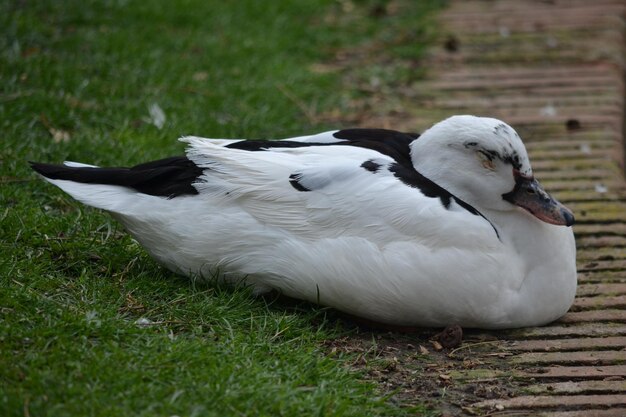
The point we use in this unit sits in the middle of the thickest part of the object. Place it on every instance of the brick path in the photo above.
(555, 71)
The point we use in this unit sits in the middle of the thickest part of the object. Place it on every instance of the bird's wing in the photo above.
(327, 191)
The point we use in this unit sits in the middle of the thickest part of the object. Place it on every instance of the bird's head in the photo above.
(484, 162)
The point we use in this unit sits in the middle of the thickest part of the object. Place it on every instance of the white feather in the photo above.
(324, 137)
(78, 165)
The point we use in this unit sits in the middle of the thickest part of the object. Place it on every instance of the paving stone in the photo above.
(506, 6)
(572, 163)
(536, 20)
(511, 100)
(584, 254)
(525, 71)
(598, 229)
(599, 302)
(582, 372)
(604, 265)
(569, 344)
(578, 387)
(574, 143)
(601, 289)
(537, 401)
(588, 358)
(601, 242)
(486, 10)
(601, 276)
(564, 92)
(561, 120)
(580, 196)
(613, 412)
(508, 82)
(556, 330)
(593, 212)
(574, 174)
(594, 315)
(582, 185)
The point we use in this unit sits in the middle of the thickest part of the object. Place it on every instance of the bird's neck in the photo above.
(551, 248)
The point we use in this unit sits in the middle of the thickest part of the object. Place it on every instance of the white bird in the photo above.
(447, 227)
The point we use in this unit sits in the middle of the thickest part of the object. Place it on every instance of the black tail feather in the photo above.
(170, 177)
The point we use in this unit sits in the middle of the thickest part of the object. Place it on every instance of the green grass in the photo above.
(76, 81)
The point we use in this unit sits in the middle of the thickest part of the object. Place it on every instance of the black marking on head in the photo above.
(514, 160)
(371, 166)
(490, 155)
(170, 177)
(501, 128)
(294, 180)
(511, 158)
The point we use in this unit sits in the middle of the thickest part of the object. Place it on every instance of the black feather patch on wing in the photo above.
(294, 180)
(388, 142)
(371, 166)
(263, 145)
(170, 177)
(414, 179)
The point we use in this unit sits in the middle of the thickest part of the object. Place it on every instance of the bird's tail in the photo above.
(121, 189)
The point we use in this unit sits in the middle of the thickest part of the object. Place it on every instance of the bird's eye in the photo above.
(486, 160)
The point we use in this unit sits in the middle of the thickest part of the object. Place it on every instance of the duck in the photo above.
(446, 227)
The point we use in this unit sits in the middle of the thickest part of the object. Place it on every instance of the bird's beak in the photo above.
(530, 195)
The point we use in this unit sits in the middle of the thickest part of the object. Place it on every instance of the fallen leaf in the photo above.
(548, 111)
(436, 345)
(92, 318)
(200, 76)
(601, 188)
(585, 148)
(59, 135)
(143, 322)
(157, 115)
(30, 51)
(318, 68)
